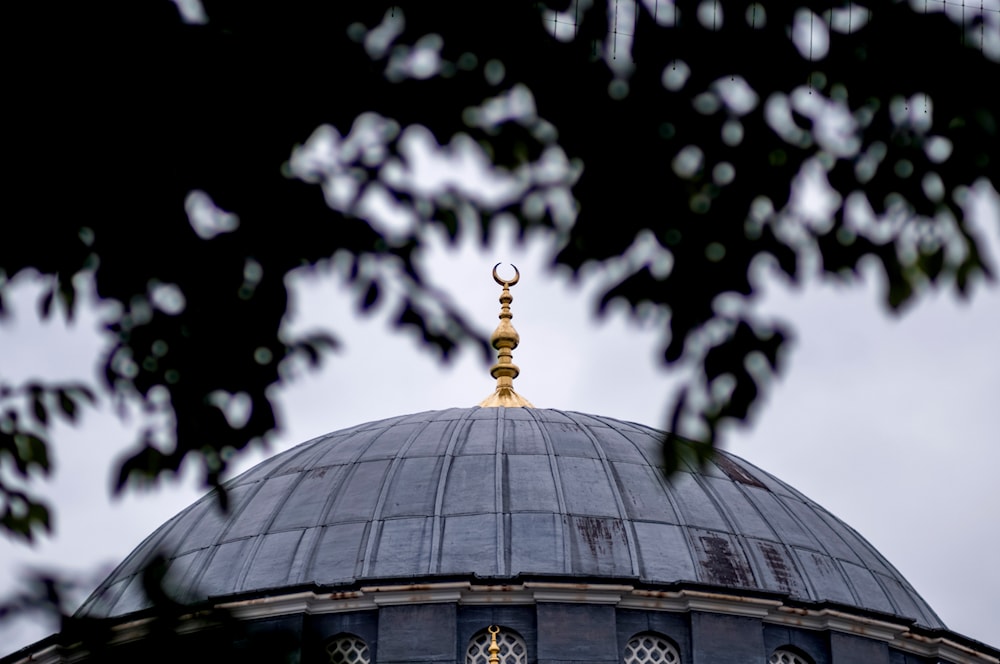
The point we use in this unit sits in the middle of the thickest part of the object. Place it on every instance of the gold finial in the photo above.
(493, 629)
(505, 339)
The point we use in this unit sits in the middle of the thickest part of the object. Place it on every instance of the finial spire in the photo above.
(505, 339)
(494, 646)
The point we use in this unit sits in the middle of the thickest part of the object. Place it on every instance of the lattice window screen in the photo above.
(787, 657)
(348, 650)
(650, 649)
(512, 649)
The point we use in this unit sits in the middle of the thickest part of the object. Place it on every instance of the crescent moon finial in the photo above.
(494, 646)
(504, 282)
(505, 339)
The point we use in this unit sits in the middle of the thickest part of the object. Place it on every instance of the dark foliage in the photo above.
(120, 110)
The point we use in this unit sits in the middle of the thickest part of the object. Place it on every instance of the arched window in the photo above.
(512, 648)
(650, 648)
(348, 649)
(787, 656)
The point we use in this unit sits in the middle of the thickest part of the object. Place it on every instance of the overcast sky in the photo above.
(890, 423)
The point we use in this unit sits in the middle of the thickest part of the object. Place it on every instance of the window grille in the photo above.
(348, 650)
(650, 649)
(512, 648)
(782, 656)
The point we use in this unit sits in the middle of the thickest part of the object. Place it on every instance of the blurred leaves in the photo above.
(267, 138)
(26, 417)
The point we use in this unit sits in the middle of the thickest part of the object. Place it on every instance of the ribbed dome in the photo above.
(502, 492)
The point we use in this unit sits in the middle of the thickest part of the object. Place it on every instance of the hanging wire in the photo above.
(635, 28)
(906, 101)
(943, 4)
(674, 63)
(614, 35)
(925, 94)
(963, 22)
(952, 3)
(982, 27)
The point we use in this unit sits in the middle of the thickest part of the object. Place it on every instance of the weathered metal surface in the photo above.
(498, 492)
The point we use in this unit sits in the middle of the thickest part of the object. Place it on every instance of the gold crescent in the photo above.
(493, 629)
(502, 282)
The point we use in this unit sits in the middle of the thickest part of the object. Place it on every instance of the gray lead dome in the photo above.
(497, 493)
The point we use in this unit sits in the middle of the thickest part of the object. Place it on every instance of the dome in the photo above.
(508, 493)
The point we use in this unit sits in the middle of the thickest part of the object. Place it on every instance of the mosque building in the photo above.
(509, 534)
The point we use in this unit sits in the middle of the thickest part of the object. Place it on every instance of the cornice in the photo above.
(898, 634)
